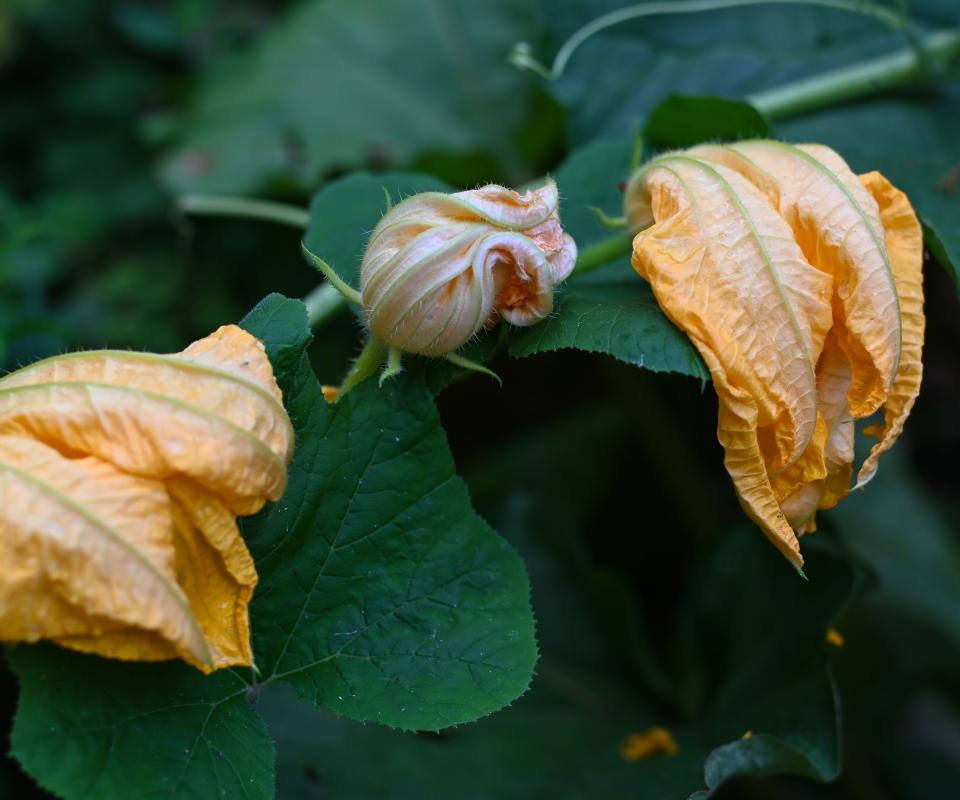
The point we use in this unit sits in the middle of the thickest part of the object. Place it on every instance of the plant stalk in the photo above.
(856, 80)
(344, 288)
(603, 252)
(227, 206)
(322, 303)
(368, 362)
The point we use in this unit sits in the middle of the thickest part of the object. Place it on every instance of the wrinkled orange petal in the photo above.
(863, 234)
(725, 268)
(810, 467)
(800, 503)
(904, 240)
(161, 416)
(88, 558)
(837, 223)
(215, 570)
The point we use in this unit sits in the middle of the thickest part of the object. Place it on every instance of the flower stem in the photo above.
(368, 363)
(603, 252)
(322, 302)
(349, 293)
(874, 75)
(225, 206)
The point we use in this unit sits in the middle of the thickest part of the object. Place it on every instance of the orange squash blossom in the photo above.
(121, 477)
(800, 284)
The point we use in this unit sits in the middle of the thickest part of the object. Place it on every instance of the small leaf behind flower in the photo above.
(683, 121)
(607, 311)
(344, 213)
(618, 319)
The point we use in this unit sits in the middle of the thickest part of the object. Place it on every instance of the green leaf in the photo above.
(93, 728)
(347, 83)
(681, 121)
(344, 213)
(382, 595)
(912, 141)
(619, 319)
(611, 310)
(593, 178)
(560, 740)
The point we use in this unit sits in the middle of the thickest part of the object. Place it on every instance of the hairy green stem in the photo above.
(322, 303)
(856, 80)
(344, 288)
(367, 364)
(522, 56)
(226, 206)
(603, 252)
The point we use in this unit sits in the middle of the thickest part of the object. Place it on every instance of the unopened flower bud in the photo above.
(440, 267)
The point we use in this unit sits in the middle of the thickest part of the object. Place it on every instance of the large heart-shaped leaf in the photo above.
(92, 728)
(382, 595)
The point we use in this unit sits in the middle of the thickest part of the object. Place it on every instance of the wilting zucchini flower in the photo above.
(441, 267)
(121, 478)
(800, 284)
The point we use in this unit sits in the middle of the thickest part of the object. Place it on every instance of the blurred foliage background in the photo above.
(608, 479)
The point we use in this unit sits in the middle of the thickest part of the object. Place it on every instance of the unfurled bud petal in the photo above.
(439, 267)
